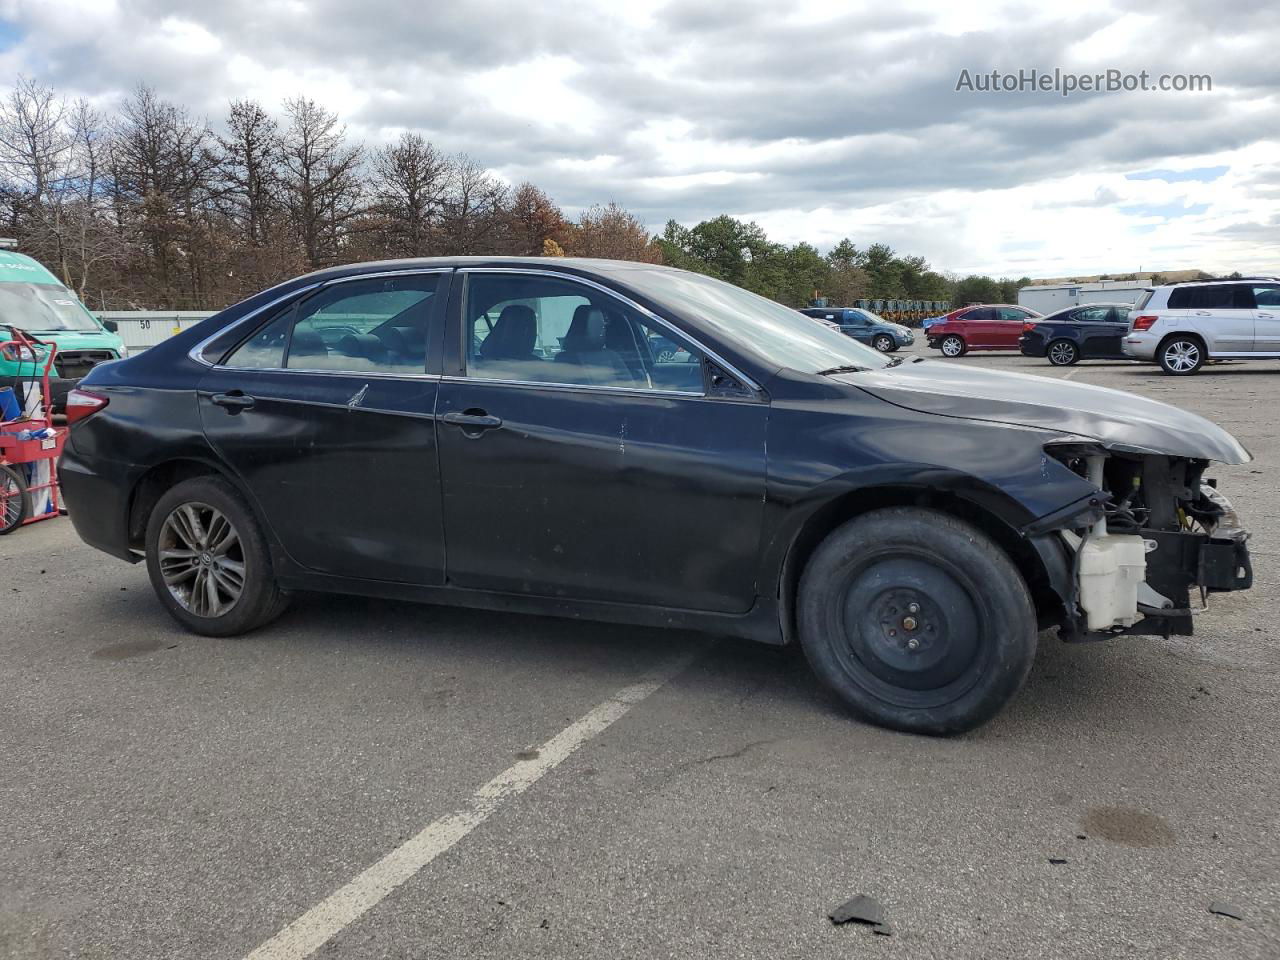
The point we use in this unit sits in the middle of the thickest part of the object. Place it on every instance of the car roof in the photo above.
(541, 263)
(19, 268)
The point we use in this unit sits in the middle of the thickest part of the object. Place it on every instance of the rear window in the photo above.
(1145, 299)
(1223, 296)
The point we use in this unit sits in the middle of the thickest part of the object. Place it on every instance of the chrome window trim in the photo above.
(331, 372)
(666, 325)
(581, 387)
(196, 352)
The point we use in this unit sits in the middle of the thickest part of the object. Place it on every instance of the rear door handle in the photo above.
(234, 402)
(1203, 313)
(473, 422)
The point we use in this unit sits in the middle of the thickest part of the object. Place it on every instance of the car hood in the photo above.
(1118, 420)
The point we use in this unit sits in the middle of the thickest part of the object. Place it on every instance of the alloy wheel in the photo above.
(1062, 354)
(201, 559)
(883, 344)
(952, 346)
(1182, 356)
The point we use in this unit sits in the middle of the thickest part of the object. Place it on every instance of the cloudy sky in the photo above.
(824, 121)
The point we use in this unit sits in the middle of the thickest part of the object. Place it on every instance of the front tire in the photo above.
(208, 560)
(917, 621)
(883, 343)
(1062, 353)
(1181, 355)
(954, 346)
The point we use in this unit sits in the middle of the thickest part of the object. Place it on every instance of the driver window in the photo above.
(539, 329)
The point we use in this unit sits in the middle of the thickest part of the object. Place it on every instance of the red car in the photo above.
(986, 326)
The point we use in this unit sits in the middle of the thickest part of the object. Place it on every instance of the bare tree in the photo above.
(410, 178)
(614, 233)
(474, 209)
(250, 164)
(321, 179)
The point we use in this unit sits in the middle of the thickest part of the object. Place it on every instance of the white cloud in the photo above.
(817, 120)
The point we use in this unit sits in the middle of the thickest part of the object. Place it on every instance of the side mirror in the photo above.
(111, 326)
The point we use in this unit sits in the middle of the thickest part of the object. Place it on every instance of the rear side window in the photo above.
(1222, 296)
(1145, 299)
(377, 325)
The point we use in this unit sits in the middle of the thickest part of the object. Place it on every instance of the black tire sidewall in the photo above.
(261, 600)
(875, 341)
(1003, 601)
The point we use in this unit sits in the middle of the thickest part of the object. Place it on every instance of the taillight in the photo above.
(1145, 322)
(83, 403)
(1028, 326)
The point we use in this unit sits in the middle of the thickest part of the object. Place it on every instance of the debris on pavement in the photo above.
(1226, 910)
(1057, 861)
(862, 909)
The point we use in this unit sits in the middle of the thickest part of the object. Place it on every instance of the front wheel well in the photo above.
(844, 508)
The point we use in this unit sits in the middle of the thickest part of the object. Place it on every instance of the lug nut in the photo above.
(913, 608)
(913, 643)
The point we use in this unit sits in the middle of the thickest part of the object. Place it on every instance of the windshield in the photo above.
(780, 334)
(40, 307)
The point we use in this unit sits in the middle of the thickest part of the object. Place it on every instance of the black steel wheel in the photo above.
(917, 620)
(14, 501)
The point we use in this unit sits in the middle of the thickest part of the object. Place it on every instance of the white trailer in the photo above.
(1048, 297)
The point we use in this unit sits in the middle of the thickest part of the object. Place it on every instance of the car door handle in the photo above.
(473, 422)
(1266, 316)
(1203, 313)
(234, 402)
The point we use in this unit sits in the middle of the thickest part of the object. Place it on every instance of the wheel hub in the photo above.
(911, 625)
(201, 559)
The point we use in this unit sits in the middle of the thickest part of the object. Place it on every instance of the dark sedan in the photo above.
(517, 434)
(1087, 331)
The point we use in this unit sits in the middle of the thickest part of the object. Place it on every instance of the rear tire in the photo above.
(1181, 355)
(14, 500)
(1062, 353)
(917, 621)
(954, 346)
(208, 560)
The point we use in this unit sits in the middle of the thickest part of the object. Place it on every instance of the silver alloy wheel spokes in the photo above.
(951, 347)
(1060, 353)
(201, 559)
(1182, 355)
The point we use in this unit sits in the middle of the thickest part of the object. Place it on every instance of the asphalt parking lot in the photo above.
(165, 795)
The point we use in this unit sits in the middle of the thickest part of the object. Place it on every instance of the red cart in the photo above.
(29, 445)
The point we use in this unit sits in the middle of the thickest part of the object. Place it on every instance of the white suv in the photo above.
(1181, 325)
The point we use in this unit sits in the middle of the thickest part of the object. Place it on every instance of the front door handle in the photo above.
(234, 402)
(473, 422)
(1203, 313)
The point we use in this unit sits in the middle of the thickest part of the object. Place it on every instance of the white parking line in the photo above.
(344, 906)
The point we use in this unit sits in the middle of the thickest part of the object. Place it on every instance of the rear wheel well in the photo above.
(152, 486)
(855, 503)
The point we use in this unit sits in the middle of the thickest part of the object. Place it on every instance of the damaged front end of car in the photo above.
(1143, 555)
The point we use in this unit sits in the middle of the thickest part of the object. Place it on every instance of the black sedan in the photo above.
(1088, 331)
(517, 434)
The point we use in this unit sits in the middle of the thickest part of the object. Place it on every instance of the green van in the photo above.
(32, 299)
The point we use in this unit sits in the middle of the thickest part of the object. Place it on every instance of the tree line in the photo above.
(154, 208)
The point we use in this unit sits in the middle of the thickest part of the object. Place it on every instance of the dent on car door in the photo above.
(325, 413)
(576, 464)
